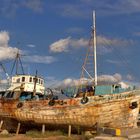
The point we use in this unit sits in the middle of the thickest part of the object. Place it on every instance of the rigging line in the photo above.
(121, 57)
(87, 73)
(13, 67)
(17, 66)
(21, 66)
(130, 70)
(4, 70)
(84, 64)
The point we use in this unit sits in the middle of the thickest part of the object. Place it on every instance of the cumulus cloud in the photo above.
(60, 45)
(102, 79)
(108, 79)
(70, 82)
(104, 41)
(63, 45)
(105, 44)
(39, 59)
(6, 51)
(79, 42)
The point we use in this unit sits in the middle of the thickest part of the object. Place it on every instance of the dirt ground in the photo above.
(24, 137)
(131, 134)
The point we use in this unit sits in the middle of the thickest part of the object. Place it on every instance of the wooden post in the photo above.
(18, 128)
(69, 131)
(1, 123)
(78, 130)
(43, 128)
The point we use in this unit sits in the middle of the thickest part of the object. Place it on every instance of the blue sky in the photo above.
(53, 36)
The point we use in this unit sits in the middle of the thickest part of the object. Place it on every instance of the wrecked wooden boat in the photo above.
(117, 110)
(96, 105)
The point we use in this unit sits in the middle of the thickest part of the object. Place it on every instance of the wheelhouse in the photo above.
(27, 83)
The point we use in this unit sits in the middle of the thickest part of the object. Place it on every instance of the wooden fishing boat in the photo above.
(99, 105)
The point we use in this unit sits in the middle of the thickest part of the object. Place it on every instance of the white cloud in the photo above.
(9, 8)
(129, 77)
(114, 62)
(6, 51)
(3, 81)
(70, 10)
(39, 59)
(4, 39)
(35, 5)
(104, 8)
(102, 79)
(63, 45)
(110, 78)
(79, 42)
(60, 45)
(106, 44)
(104, 41)
(31, 45)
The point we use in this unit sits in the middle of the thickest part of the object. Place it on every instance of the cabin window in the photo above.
(23, 79)
(35, 80)
(30, 79)
(39, 81)
(18, 80)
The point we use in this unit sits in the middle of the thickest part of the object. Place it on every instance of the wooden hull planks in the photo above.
(110, 110)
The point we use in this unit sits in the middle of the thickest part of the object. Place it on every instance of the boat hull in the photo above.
(116, 110)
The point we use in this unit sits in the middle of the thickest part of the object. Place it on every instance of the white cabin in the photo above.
(27, 84)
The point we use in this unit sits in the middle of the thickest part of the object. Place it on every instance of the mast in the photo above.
(17, 63)
(94, 47)
(35, 82)
(90, 64)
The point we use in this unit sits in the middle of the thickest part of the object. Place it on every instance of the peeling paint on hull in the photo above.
(108, 110)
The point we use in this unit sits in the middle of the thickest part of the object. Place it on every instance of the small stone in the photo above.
(88, 133)
(91, 139)
(4, 132)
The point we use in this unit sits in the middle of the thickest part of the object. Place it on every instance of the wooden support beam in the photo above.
(18, 128)
(43, 128)
(1, 123)
(69, 131)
